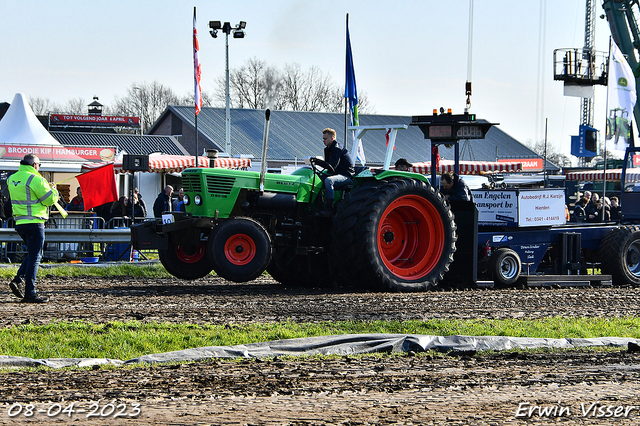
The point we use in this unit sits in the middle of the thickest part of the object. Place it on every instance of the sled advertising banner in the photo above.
(541, 207)
(496, 207)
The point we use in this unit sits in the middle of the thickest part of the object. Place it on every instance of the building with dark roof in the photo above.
(129, 143)
(295, 135)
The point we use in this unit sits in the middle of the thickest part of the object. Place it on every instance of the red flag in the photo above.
(98, 186)
(196, 65)
(436, 156)
(387, 136)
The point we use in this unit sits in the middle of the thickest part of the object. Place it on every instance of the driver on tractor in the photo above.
(342, 163)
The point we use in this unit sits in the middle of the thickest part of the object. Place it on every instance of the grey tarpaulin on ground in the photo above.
(346, 344)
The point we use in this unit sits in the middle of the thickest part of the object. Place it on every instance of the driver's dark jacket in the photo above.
(340, 159)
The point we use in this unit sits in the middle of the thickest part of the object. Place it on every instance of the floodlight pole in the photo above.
(227, 130)
(238, 32)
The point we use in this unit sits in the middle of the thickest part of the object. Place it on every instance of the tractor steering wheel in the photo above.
(317, 163)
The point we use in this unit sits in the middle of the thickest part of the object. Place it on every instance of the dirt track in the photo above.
(467, 389)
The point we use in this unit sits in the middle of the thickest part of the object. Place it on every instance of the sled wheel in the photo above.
(405, 237)
(239, 249)
(620, 254)
(187, 262)
(506, 267)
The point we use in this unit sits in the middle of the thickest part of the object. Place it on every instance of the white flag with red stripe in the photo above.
(196, 65)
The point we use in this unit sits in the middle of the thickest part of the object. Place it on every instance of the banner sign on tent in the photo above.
(93, 120)
(58, 152)
(528, 164)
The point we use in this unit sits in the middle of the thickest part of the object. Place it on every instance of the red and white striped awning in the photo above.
(613, 175)
(469, 167)
(176, 163)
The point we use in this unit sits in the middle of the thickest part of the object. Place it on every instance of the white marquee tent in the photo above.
(20, 128)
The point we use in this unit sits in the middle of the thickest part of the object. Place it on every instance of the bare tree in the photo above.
(553, 155)
(75, 106)
(338, 102)
(41, 106)
(256, 85)
(307, 91)
(253, 85)
(147, 100)
(189, 99)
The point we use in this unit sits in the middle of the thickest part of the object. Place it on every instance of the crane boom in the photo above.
(589, 46)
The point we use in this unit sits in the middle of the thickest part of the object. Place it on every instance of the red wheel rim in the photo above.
(190, 254)
(410, 237)
(240, 249)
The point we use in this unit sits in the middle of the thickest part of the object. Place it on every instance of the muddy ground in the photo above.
(576, 387)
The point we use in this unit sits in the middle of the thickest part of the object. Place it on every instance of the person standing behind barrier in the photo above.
(163, 202)
(5, 208)
(616, 209)
(77, 204)
(140, 200)
(592, 207)
(31, 197)
(119, 208)
(178, 200)
(138, 208)
(578, 211)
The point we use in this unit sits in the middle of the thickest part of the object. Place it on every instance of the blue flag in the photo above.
(351, 93)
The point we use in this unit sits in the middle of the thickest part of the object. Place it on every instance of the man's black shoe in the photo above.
(17, 287)
(35, 299)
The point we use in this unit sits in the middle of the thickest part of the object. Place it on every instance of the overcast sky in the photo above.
(409, 56)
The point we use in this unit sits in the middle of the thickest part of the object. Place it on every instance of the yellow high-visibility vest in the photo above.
(31, 195)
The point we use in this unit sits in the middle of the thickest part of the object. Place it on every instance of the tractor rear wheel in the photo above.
(239, 249)
(294, 270)
(188, 262)
(620, 254)
(402, 236)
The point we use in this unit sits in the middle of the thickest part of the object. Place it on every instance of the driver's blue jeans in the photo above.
(33, 236)
(331, 183)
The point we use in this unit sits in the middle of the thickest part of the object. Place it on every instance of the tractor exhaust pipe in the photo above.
(265, 143)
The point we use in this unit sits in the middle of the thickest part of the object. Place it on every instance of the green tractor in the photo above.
(390, 230)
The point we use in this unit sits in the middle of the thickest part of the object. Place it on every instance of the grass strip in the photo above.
(126, 340)
(153, 270)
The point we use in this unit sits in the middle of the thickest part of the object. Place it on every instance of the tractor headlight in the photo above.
(186, 200)
(198, 200)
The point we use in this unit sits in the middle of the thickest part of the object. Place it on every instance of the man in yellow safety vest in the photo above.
(31, 197)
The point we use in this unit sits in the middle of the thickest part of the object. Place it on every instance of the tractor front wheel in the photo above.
(239, 249)
(188, 262)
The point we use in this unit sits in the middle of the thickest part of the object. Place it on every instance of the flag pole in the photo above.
(195, 76)
(604, 168)
(196, 157)
(346, 100)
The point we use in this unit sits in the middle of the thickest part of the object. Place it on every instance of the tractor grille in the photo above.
(191, 183)
(220, 184)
